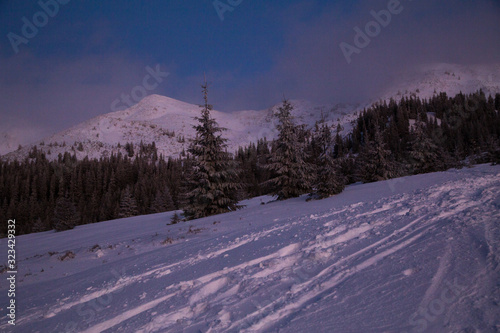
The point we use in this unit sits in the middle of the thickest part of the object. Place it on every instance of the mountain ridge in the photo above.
(168, 122)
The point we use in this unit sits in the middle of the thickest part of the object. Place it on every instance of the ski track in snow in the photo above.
(155, 273)
(267, 290)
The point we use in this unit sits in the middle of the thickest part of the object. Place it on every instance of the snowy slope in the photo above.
(429, 80)
(165, 120)
(416, 254)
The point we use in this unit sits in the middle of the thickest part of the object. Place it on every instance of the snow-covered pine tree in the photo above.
(65, 215)
(128, 205)
(213, 184)
(292, 174)
(328, 176)
(425, 155)
(372, 163)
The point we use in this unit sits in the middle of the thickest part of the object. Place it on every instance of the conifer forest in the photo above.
(390, 139)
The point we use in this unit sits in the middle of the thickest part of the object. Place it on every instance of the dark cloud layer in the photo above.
(51, 86)
(313, 66)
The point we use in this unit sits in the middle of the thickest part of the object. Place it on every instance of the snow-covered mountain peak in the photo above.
(157, 106)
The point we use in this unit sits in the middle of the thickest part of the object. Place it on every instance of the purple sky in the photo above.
(90, 53)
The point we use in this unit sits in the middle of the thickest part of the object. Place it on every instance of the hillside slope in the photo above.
(169, 123)
(431, 79)
(415, 254)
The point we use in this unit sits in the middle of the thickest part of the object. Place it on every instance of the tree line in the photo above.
(390, 139)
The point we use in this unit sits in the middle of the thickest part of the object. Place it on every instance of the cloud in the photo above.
(53, 90)
(55, 93)
(312, 65)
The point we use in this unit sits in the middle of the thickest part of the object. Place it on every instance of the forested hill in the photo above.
(388, 140)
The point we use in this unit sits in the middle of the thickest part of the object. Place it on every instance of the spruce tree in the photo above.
(425, 155)
(162, 202)
(329, 179)
(292, 174)
(128, 205)
(65, 214)
(213, 182)
(372, 163)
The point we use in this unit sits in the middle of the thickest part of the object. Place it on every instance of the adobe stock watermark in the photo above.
(89, 310)
(425, 316)
(308, 269)
(150, 82)
(40, 19)
(225, 6)
(371, 30)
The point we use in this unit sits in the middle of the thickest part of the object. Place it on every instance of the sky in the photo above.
(65, 61)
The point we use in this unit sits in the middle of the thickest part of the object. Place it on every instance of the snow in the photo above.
(165, 121)
(415, 254)
(156, 118)
(431, 79)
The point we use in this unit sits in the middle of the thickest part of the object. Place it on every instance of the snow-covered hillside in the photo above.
(169, 122)
(430, 80)
(415, 254)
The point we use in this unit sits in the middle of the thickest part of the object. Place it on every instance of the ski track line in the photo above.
(385, 207)
(350, 234)
(158, 272)
(437, 278)
(267, 321)
(210, 284)
(384, 242)
(162, 271)
(343, 274)
(126, 315)
(215, 279)
(121, 283)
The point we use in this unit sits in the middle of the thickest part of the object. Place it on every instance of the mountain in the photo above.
(168, 122)
(428, 80)
(413, 254)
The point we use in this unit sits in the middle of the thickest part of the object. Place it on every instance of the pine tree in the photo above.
(213, 184)
(162, 202)
(372, 164)
(65, 214)
(128, 205)
(339, 148)
(425, 155)
(292, 174)
(329, 179)
(175, 219)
